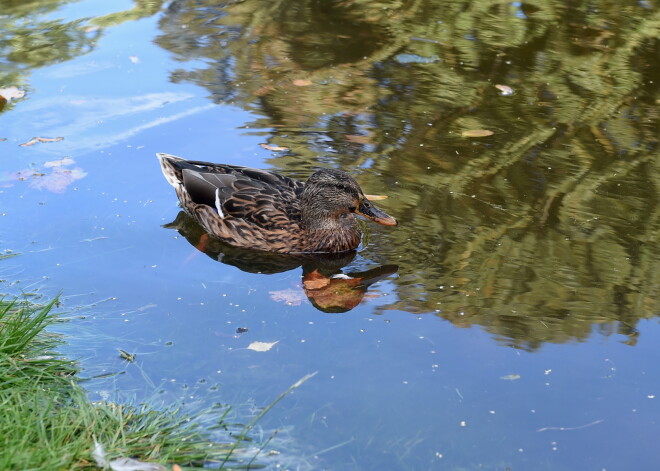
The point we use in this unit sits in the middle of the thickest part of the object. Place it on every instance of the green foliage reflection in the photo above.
(538, 233)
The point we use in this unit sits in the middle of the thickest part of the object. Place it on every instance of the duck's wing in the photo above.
(258, 197)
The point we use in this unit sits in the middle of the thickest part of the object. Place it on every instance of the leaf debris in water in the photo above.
(477, 133)
(262, 346)
(124, 355)
(505, 89)
(274, 148)
(513, 377)
(34, 140)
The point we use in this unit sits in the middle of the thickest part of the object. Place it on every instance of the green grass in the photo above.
(48, 423)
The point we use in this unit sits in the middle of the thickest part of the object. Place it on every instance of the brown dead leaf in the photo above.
(262, 346)
(273, 148)
(477, 133)
(302, 82)
(315, 280)
(34, 140)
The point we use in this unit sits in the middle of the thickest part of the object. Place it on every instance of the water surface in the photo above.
(509, 322)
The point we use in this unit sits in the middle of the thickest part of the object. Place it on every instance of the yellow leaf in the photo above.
(273, 148)
(477, 133)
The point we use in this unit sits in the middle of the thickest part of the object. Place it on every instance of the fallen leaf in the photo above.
(512, 377)
(302, 82)
(505, 89)
(477, 133)
(376, 197)
(124, 355)
(273, 148)
(315, 280)
(261, 346)
(34, 140)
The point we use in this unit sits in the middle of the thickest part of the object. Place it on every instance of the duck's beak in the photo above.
(369, 211)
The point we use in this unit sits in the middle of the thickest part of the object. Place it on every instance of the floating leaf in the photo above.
(273, 148)
(512, 377)
(124, 355)
(34, 140)
(315, 280)
(477, 133)
(505, 89)
(262, 346)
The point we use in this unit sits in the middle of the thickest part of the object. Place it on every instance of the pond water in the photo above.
(510, 321)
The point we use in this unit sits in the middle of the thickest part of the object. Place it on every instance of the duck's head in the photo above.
(331, 198)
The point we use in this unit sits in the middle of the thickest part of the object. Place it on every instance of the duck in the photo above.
(263, 210)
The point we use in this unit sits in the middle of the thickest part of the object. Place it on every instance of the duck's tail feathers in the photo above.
(170, 170)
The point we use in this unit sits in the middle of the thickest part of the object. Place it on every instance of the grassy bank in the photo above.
(48, 423)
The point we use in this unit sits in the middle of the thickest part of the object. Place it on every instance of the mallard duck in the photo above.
(247, 207)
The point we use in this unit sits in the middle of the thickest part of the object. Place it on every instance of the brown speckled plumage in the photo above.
(253, 208)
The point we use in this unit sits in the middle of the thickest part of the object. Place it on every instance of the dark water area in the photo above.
(510, 321)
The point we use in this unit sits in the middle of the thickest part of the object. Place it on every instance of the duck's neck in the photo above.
(339, 233)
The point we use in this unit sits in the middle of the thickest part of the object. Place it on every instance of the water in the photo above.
(509, 322)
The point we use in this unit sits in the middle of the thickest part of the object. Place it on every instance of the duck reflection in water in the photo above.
(323, 282)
